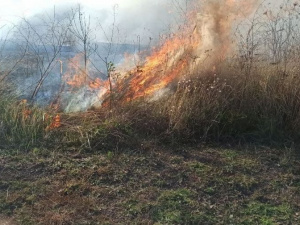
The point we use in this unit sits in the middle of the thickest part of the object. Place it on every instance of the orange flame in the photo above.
(26, 113)
(75, 75)
(98, 83)
(208, 33)
(205, 37)
(55, 123)
(161, 68)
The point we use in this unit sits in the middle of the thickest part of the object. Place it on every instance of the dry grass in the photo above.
(220, 106)
(224, 105)
(217, 106)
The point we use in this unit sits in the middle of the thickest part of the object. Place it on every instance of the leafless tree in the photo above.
(107, 55)
(11, 58)
(45, 41)
(272, 34)
(278, 34)
(248, 35)
(81, 29)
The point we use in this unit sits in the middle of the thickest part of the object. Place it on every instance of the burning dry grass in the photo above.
(97, 176)
(203, 41)
(221, 105)
(210, 97)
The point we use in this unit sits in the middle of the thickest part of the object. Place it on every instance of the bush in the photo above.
(21, 126)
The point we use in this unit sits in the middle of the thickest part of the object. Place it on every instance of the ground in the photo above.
(151, 185)
(6, 221)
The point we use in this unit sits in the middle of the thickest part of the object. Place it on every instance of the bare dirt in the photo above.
(6, 221)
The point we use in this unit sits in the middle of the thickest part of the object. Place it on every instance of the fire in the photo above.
(75, 75)
(79, 85)
(26, 111)
(207, 35)
(162, 67)
(98, 83)
(202, 41)
(55, 123)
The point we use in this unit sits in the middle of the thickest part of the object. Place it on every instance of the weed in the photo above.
(22, 126)
(199, 168)
(267, 214)
(177, 207)
(110, 155)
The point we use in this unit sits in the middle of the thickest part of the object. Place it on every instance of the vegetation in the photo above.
(21, 126)
(223, 106)
(151, 185)
(221, 147)
(132, 165)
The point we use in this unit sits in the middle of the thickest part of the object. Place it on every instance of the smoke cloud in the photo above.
(216, 21)
(144, 20)
(191, 29)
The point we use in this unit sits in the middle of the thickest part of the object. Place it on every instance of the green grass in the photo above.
(22, 126)
(162, 186)
(178, 207)
(266, 214)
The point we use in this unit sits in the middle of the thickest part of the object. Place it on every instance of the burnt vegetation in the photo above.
(216, 144)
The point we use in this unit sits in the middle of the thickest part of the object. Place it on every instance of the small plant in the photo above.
(260, 213)
(110, 155)
(176, 207)
(23, 126)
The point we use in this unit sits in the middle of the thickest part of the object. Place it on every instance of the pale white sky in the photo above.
(138, 17)
(132, 14)
(10, 10)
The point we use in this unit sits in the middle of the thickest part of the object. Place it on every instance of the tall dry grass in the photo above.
(223, 105)
(228, 105)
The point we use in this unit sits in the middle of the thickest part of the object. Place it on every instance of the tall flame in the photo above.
(77, 77)
(206, 37)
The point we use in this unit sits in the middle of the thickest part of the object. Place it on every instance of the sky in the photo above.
(11, 9)
(143, 18)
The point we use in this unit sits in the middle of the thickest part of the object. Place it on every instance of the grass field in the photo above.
(151, 185)
(222, 149)
(205, 130)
